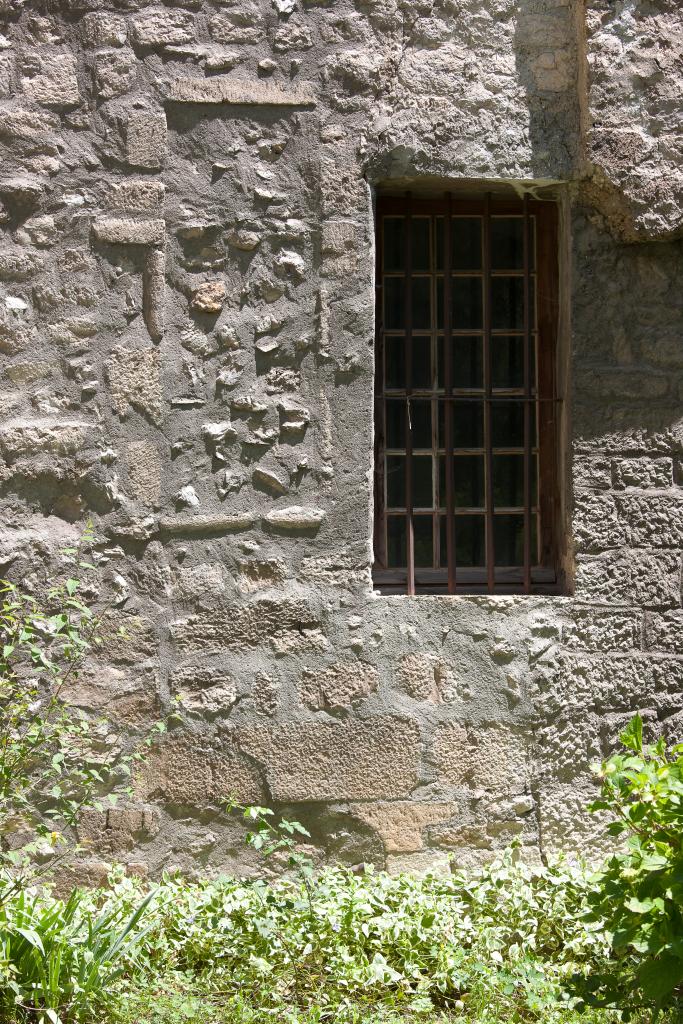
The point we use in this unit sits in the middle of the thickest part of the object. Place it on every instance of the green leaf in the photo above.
(658, 978)
(632, 736)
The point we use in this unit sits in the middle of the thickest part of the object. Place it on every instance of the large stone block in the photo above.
(21, 438)
(645, 578)
(368, 759)
(103, 29)
(16, 264)
(653, 520)
(144, 471)
(247, 625)
(194, 770)
(493, 757)
(596, 522)
(664, 632)
(401, 824)
(644, 473)
(224, 89)
(579, 683)
(565, 822)
(425, 677)
(115, 72)
(594, 629)
(127, 231)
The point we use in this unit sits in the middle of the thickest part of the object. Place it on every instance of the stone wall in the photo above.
(186, 359)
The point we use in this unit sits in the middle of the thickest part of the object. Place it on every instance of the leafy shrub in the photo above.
(508, 939)
(639, 895)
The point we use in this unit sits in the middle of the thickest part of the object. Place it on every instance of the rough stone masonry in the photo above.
(186, 345)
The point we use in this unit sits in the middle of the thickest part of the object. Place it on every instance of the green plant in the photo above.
(55, 760)
(372, 942)
(638, 897)
(59, 959)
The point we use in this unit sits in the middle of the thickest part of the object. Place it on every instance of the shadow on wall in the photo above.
(547, 56)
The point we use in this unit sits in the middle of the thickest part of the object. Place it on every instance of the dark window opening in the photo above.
(465, 419)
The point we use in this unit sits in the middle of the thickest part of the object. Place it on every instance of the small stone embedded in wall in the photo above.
(209, 297)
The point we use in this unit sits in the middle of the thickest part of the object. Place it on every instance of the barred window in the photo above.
(465, 459)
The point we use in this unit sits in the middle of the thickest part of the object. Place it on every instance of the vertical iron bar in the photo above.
(448, 389)
(527, 397)
(381, 518)
(408, 341)
(488, 450)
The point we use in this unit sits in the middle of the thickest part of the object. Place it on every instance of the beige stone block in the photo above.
(146, 139)
(204, 689)
(365, 759)
(192, 770)
(127, 639)
(138, 195)
(135, 381)
(116, 72)
(19, 438)
(243, 25)
(224, 89)
(401, 825)
(338, 686)
(120, 694)
(300, 641)
(159, 26)
(154, 293)
(127, 231)
(30, 372)
(103, 29)
(50, 79)
(6, 72)
(144, 472)
(185, 526)
(423, 677)
(247, 626)
(261, 573)
(491, 757)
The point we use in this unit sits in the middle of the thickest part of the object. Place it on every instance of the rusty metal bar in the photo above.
(448, 390)
(488, 449)
(527, 397)
(408, 341)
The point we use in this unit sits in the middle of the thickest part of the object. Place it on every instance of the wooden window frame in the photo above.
(543, 576)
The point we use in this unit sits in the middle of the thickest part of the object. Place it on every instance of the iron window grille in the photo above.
(465, 415)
